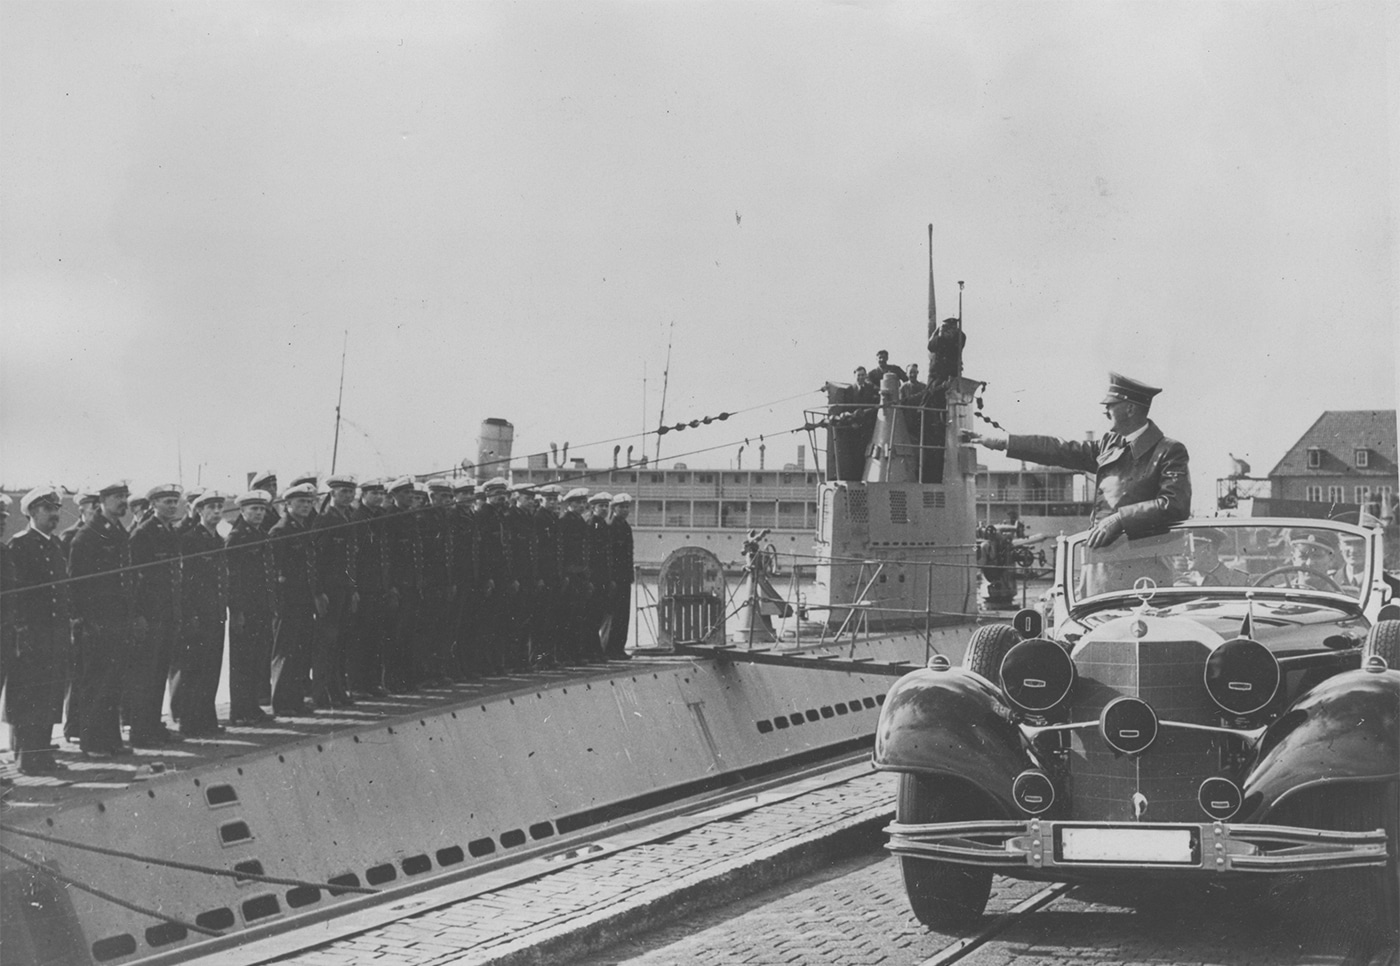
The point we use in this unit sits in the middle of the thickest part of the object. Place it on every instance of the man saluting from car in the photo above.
(1144, 480)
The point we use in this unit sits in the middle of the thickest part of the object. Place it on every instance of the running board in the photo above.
(822, 662)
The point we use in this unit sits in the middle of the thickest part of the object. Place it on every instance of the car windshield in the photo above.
(1289, 558)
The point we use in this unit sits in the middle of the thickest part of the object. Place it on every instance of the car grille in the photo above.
(1168, 676)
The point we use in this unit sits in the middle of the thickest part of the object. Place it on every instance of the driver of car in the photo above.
(1203, 564)
(1353, 568)
(1315, 562)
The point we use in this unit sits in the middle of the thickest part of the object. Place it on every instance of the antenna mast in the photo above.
(932, 305)
(339, 396)
(665, 381)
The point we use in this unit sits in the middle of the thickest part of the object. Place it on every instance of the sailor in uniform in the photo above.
(575, 586)
(41, 633)
(294, 630)
(199, 653)
(496, 570)
(88, 507)
(155, 555)
(103, 591)
(365, 657)
(252, 591)
(465, 661)
(600, 566)
(336, 570)
(622, 561)
(405, 585)
(266, 482)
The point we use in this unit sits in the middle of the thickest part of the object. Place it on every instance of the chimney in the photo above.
(801, 456)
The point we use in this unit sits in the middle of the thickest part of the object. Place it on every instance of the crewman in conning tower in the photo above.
(1144, 478)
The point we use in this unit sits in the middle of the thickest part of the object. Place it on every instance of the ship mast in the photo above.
(339, 396)
(932, 305)
(665, 381)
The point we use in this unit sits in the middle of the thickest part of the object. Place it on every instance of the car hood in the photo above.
(1280, 625)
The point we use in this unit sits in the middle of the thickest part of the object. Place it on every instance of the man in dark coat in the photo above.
(155, 555)
(497, 590)
(365, 655)
(436, 532)
(199, 653)
(406, 586)
(576, 587)
(337, 567)
(882, 366)
(600, 567)
(266, 481)
(622, 561)
(945, 349)
(252, 592)
(294, 553)
(466, 660)
(89, 506)
(103, 591)
(42, 634)
(545, 623)
(1144, 478)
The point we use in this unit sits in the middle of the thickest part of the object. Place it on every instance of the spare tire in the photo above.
(986, 649)
(1383, 641)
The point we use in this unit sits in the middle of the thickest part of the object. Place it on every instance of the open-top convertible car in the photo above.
(1222, 699)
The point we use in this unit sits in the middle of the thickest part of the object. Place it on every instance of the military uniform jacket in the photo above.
(204, 576)
(546, 525)
(466, 547)
(294, 554)
(155, 552)
(599, 551)
(1148, 484)
(371, 550)
(495, 544)
(65, 538)
(405, 549)
(252, 573)
(573, 549)
(101, 554)
(435, 533)
(620, 532)
(337, 551)
(39, 580)
(518, 526)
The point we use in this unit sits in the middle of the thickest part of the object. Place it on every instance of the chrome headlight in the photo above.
(1037, 676)
(1242, 676)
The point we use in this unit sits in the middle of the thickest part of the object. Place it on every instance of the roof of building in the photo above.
(1338, 434)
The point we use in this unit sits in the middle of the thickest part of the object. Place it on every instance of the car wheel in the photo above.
(987, 647)
(943, 895)
(1384, 640)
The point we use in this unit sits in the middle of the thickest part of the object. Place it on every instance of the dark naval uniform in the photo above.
(600, 604)
(576, 587)
(194, 672)
(493, 627)
(103, 591)
(41, 639)
(336, 570)
(155, 553)
(518, 529)
(252, 590)
(466, 570)
(621, 558)
(406, 576)
(365, 657)
(293, 631)
(545, 626)
(431, 643)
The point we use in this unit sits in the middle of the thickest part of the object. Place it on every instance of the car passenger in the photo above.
(1203, 564)
(1315, 562)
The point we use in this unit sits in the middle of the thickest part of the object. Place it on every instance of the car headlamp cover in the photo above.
(1242, 676)
(1037, 675)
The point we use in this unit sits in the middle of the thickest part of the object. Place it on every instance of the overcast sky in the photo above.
(509, 209)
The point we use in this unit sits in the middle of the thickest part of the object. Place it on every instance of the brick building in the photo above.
(1347, 457)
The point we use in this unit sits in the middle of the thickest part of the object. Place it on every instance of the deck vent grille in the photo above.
(857, 506)
(935, 500)
(899, 506)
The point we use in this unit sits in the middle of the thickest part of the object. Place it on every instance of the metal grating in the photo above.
(857, 506)
(899, 506)
(935, 499)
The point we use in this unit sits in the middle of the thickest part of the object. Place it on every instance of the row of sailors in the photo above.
(385, 587)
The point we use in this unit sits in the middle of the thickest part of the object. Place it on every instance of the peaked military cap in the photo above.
(47, 495)
(621, 498)
(340, 479)
(464, 484)
(440, 484)
(1213, 534)
(255, 498)
(266, 476)
(1313, 539)
(404, 484)
(554, 489)
(87, 496)
(1123, 389)
(419, 486)
(208, 496)
(371, 485)
(577, 493)
(497, 484)
(307, 490)
(602, 496)
(162, 490)
(192, 494)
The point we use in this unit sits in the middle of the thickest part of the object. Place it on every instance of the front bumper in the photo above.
(1078, 846)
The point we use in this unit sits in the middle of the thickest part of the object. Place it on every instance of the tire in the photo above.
(946, 896)
(986, 649)
(1384, 640)
(1379, 807)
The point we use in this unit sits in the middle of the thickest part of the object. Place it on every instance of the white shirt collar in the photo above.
(1131, 438)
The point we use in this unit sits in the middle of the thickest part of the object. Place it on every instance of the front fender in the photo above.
(1347, 729)
(953, 723)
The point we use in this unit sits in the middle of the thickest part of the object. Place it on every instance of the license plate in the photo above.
(1171, 846)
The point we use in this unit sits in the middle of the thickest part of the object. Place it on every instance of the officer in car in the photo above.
(1204, 568)
(1315, 561)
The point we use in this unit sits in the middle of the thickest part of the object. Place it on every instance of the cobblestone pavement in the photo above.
(562, 915)
(856, 913)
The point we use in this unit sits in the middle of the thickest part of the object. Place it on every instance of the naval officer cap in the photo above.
(404, 484)
(259, 480)
(622, 499)
(372, 486)
(497, 484)
(1311, 539)
(193, 494)
(86, 496)
(114, 488)
(299, 490)
(1123, 389)
(208, 496)
(552, 489)
(602, 496)
(255, 498)
(464, 484)
(42, 495)
(162, 490)
(340, 479)
(440, 484)
(577, 493)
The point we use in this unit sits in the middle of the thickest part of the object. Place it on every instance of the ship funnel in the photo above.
(629, 456)
(493, 446)
(616, 450)
(554, 454)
